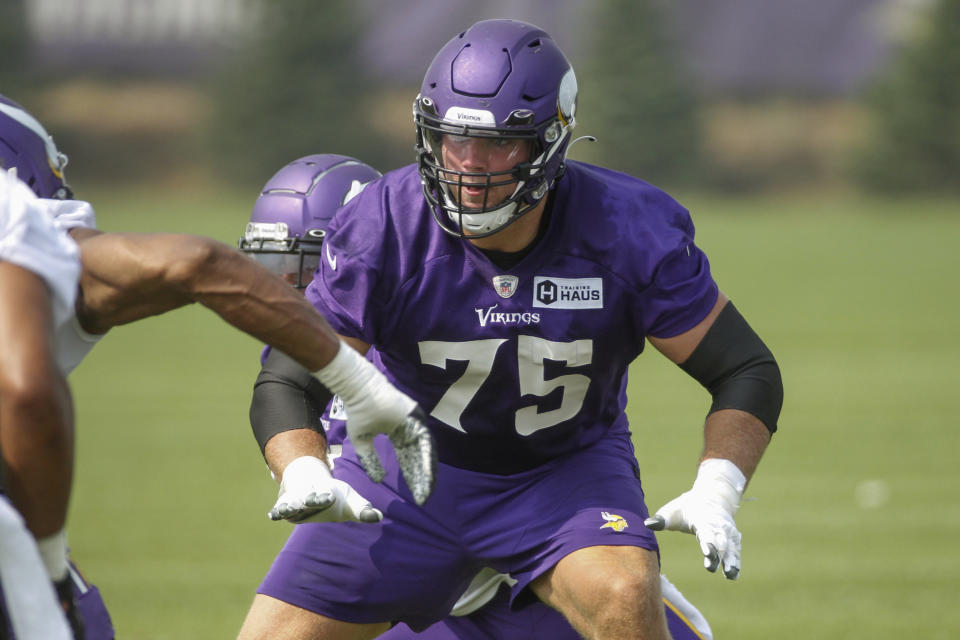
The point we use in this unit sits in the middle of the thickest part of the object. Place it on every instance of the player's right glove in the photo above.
(375, 406)
(310, 493)
(707, 511)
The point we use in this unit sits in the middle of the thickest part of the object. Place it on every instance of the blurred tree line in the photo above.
(914, 144)
(297, 85)
(292, 91)
(636, 98)
(295, 91)
(13, 46)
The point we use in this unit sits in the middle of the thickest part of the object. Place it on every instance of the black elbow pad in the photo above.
(285, 396)
(737, 368)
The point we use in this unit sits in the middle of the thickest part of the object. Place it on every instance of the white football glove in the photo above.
(375, 406)
(707, 511)
(309, 493)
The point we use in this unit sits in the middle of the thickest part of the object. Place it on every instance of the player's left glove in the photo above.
(309, 493)
(375, 406)
(707, 511)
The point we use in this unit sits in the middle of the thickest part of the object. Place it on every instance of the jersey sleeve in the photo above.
(683, 293)
(29, 239)
(681, 290)
(347, 288)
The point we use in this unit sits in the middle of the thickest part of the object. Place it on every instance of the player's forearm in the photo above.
(285, 447)
(736, 436)
(260, 303)
(130, 276)
(37, 445)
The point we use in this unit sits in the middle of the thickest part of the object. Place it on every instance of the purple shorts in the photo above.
(96, 619)
(496, 620)
(415, 564)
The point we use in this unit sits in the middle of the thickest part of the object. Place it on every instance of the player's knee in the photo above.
(624, 592)
(625, 600)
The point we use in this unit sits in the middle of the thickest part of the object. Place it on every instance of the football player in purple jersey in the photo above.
(128, 276)
(507, 290)
(285, 234)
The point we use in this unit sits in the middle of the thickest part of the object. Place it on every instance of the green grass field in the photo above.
(853, 519)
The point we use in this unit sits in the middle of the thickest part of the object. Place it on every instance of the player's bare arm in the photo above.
(724, 354)
(285, 416)
(284, 448)
(36, 412)
(729, 434)
(130, 276)
(280, 395)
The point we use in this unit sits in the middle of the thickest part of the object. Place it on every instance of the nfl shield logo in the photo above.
(506, 286)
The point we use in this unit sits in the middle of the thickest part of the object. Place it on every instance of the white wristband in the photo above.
(722, 479)
(53, 551)
(347, 374)
(306, 468)
(352, 377)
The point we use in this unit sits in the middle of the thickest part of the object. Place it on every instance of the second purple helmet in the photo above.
(498, 79)
(27, 147)
(290, 217)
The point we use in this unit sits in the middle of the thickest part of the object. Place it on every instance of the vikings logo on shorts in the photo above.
(613, 521)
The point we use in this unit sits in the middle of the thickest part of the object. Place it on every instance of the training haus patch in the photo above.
(568, 293)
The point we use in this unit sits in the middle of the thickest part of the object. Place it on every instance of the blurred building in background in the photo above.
(739, 46)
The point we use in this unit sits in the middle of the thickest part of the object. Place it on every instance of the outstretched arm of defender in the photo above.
(130, 276)
(366, 392)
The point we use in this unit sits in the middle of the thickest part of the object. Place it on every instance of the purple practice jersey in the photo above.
(515, 366)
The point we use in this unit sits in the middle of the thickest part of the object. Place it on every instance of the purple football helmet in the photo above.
(25, 146)
(290, 216)
(498, 79)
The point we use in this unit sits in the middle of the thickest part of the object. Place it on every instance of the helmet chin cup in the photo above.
(483, 224)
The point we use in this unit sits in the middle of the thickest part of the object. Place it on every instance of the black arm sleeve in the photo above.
(285, 396)
(737, 368)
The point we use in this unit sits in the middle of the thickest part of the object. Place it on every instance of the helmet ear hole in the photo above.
(552, 133)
